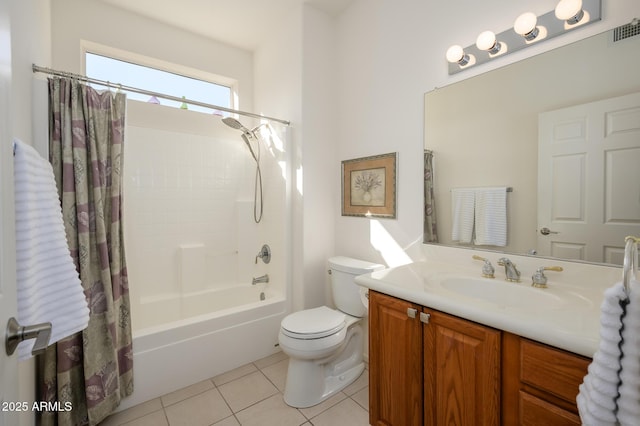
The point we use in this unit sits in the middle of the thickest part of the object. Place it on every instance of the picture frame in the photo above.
(369, 186)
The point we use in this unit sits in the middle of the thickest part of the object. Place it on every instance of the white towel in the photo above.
(48, 286)
(599, 390)
(462, 208)
(629, 400)
(491, 216)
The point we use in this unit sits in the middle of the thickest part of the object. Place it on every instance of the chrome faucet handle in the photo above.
(264, 254)
(488, 271)
(539, 279)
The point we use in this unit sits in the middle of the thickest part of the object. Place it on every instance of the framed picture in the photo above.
(369, 186)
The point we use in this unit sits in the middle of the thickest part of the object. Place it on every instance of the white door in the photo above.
(8, 301)
(589, 179)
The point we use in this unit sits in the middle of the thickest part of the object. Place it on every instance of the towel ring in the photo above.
(630, 264)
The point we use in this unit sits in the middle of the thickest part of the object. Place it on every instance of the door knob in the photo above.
(547, 231)
(17, 333)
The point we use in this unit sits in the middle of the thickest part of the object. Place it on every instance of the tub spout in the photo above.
(262, 279)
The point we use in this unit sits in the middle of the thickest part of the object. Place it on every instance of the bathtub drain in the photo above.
(262, 296)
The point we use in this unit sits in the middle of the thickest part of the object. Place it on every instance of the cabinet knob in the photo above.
(411, 312)
(424, 317)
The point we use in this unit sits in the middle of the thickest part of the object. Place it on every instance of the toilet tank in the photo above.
(345, 291)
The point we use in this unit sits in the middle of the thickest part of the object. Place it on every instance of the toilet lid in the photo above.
(313, 323)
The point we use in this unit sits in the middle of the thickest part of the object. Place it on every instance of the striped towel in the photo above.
(48, 286)
(462, 208)
(599, 390)
(491, 216)
(629, 400)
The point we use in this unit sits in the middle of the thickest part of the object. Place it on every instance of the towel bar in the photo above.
(509, 188)
(630, 264)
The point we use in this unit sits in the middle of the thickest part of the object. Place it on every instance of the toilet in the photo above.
(325, 345)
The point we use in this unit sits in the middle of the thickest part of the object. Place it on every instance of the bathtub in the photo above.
(232, 327)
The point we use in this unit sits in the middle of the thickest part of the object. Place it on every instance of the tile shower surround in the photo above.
(184, 189)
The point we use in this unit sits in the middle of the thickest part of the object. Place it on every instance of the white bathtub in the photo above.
(239, 328)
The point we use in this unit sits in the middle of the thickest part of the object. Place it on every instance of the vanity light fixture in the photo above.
(527, 29)
(526, 26)
(487, 41)
(456, 55)
(570, 11)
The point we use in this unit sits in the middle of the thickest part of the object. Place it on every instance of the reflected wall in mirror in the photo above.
(483, 131)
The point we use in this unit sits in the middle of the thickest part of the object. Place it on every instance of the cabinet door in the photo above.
(395, 362)
(461, 372)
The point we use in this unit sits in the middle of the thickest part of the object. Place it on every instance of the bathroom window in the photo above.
(155, 79)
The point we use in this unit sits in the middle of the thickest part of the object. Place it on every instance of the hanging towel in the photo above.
(629, 390)
(491, 216)
(48, 286)
(598, 392)
(462, 208)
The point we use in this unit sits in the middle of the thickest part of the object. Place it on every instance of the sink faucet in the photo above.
(263, 279)
(510, 270)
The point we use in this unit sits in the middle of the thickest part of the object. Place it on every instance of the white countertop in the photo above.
(572, 324)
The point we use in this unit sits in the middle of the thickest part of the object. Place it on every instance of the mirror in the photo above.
(483, 132)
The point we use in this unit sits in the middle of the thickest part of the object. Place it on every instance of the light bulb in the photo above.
(570, 11)
(456, 55)
(487, 41)
(525, 25)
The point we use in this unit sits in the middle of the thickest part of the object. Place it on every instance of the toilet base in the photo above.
(298, 395)
(309, 382)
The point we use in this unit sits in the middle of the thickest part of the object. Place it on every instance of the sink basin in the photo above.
(509, 295)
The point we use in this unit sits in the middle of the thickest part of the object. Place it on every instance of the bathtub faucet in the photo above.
(262, 279)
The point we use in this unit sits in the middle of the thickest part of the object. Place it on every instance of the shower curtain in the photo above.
(92, 370)
(430, 233)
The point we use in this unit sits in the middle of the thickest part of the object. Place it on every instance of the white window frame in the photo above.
(146, 61)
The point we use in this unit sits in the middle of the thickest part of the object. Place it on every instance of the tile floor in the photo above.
(249, 395)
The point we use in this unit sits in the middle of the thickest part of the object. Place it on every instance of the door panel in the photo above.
(8, 300)
(588, 179)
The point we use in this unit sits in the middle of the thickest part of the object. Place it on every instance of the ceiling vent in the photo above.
(626, 31)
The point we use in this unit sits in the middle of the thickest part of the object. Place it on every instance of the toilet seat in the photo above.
(313, 323)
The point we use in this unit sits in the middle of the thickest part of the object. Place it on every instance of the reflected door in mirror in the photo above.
(589, 179)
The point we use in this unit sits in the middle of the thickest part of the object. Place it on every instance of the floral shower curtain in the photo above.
(91, 370)
(430, 233)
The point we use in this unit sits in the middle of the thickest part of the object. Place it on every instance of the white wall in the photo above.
(98, 22)
(30, 42)
(295, 80)
(278, 75)
(390, 54)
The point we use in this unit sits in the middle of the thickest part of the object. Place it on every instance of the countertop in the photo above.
(573, 326)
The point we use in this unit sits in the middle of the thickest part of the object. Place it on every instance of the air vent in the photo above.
(626, 31)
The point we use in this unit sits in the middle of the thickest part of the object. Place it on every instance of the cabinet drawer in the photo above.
(552, 370)
(537, 412)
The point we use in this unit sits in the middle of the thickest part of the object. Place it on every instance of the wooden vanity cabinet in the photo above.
(428, 367)
(431, 368)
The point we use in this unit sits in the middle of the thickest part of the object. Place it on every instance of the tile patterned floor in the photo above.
(249, 395)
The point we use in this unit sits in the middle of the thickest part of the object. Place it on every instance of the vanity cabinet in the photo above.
(427, 367)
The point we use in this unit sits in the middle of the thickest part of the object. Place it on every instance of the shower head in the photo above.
(235, 124)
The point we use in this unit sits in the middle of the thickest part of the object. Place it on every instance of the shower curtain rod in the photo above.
(50, 71)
